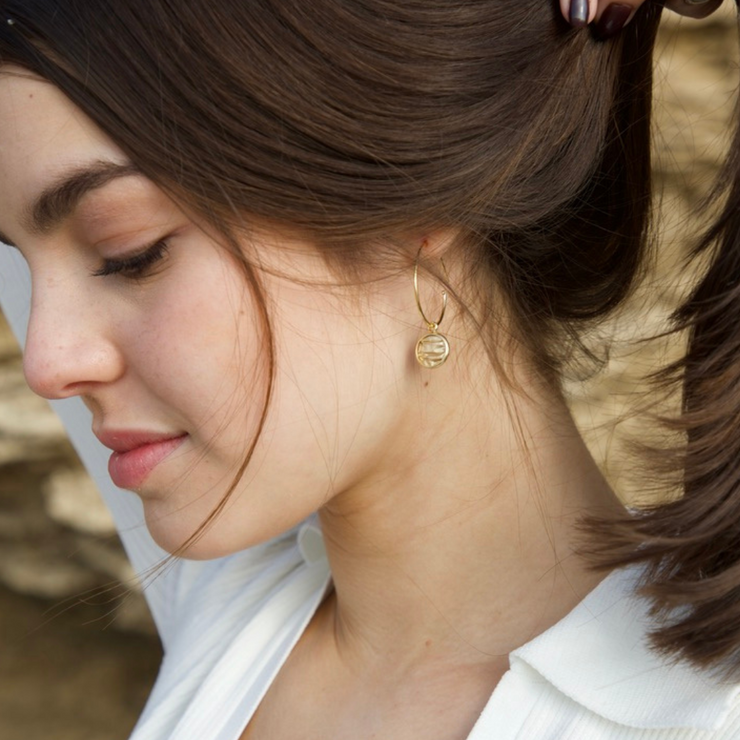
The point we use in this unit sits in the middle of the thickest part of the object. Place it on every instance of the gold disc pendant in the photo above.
(432, 350)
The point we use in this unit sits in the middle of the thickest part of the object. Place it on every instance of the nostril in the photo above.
(39, 373)
(71, 345)
(59, 366)
(48, 361)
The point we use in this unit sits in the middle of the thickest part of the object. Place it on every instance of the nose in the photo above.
(70, 349)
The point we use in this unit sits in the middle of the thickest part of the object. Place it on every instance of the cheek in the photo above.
(196, 342)
(340, 390)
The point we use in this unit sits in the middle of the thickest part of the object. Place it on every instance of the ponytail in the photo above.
(691, 546)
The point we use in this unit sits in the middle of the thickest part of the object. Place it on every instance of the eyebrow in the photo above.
(60, 199)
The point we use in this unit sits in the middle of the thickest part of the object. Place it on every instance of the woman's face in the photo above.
(142, 314)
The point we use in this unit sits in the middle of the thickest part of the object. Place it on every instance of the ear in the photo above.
(432, 245)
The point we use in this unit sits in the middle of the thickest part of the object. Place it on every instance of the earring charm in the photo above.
(433, 349)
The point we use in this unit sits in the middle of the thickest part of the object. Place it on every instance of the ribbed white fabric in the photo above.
(228, 625)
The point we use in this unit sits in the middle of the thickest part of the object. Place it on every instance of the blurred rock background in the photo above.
(77, 660)
(696, 83)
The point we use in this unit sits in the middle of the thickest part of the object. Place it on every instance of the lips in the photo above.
(136, 454)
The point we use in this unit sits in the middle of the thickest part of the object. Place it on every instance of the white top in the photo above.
(227, 626)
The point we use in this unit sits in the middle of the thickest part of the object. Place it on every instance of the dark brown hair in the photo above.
(356, 121)
(692, 545)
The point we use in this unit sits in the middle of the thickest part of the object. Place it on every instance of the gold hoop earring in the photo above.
(433, 349)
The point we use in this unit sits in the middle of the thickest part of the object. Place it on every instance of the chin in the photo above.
(185, 531)
(202, 548)
(180, 540)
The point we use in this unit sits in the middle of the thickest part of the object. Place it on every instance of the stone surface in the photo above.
(28, 429)
(696, 81)
(72, 499)
(64, 676)
(29, 568)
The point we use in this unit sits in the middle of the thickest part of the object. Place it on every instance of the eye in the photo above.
(135, 266)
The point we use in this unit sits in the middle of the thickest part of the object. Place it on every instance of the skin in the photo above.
(597, 7)
(448, 502)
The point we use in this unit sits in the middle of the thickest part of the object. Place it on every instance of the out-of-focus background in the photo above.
(77, 663)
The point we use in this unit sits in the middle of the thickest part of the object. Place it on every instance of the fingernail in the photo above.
(613, 20)
(578, 15)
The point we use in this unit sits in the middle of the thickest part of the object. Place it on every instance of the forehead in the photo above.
(42, 134)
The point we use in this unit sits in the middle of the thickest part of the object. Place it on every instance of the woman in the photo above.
(331, 257)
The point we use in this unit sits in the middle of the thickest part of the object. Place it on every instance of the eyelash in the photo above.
(136, 266)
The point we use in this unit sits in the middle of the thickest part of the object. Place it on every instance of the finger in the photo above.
(578, 13)
(613, 15)
(694, 8)
(603, 5)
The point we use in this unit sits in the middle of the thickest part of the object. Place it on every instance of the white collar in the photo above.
(599, 656)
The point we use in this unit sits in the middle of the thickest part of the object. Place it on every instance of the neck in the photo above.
(451, 554)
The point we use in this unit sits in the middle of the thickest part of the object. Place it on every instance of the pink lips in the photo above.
(136, 454)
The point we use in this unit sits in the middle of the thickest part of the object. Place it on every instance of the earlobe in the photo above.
(434, 245)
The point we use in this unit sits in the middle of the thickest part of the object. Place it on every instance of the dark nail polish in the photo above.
(613, 20)
(578, 13)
